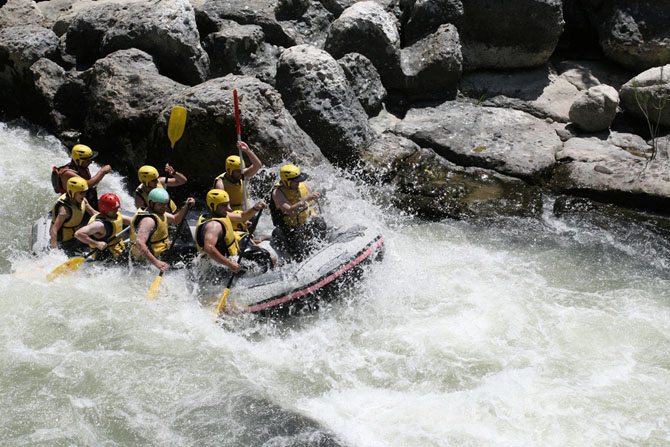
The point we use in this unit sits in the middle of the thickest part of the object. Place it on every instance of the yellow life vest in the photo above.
(145, 196)
(158, 240)
(77, 211)
(234, 190)
(113, 225)
(227, 245)
(294, 196)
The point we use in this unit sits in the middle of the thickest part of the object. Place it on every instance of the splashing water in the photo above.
(517, 332)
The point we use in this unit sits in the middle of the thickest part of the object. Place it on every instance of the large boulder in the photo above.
(124, 94)
(428, 185)
(366, 28)
(646, 95)
(20, 12)
(508, 141)
(317, 93)
(600, 170)
(633, 33)
(423, 17)
(595, 109)
(364, 80)
(215, 15)
(166, 29)
(210, 133)
(432, 66)
(20, 47)
(511, 34)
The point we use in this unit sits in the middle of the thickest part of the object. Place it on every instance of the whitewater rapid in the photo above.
(508, 333)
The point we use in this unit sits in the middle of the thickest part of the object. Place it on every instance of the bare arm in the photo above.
(96, 229)
(211, 237)
(248, 214)
(89, 208)
(256, 163)
(176, 179)
(176, 218)
(144, 230)
(63, 215)
(139, 201)
(94, 180)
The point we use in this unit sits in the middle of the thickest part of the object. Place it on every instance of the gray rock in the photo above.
(595, 108)
(20, 47)
(366, 28)
(165, 29)
(591, 149)
(214, 15)
(634, 34)
(538, 91)
(432, 66)
(432, 187)
(646, 95)
(48, 78)
(316, 92)
(364, 81)
(632, 143)
(20, 12)
(232, 47)
(511, 34)
(508, 141)
(423, 17)
(124, 95)
(626, 181)
(210, 133)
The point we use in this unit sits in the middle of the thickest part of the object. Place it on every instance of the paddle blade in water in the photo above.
(151, 294)
(69, 266)
(176, 124)
(222, 301)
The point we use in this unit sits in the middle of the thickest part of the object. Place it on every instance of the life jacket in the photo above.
(158, 240)
(77, 211)
(139, 191)
(113, 225)
(293, 196)
(56, 173)
(228, 245)
(234, 190)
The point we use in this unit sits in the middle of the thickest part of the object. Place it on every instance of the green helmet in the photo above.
(159, 195)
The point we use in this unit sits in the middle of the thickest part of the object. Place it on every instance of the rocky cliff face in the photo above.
(468, 108)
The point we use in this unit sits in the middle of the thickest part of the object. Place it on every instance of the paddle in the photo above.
(72, 265)
(175, 131)
(239, 139)
(153, 290)
(222, 301)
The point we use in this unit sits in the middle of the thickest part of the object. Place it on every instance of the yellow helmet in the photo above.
(239, 226)
(215, 197)
(81, 153)
(76, 184)
(146, 174)
(233, 163)
(289, 173)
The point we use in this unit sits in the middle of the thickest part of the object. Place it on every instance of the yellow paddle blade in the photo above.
(69, 266)
(222, 302)
(176, 124)
(154, 288)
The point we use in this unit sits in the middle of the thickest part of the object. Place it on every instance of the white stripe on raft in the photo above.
(319, 284)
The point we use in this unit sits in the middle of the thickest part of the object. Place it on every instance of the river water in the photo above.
(509, 333)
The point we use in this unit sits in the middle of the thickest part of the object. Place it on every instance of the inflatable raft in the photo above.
(288, 288)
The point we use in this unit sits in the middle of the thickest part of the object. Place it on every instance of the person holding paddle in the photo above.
(103, 226)
(215, 233)
(82, 157)
(149, 179)
(67, 216)
(149, 236)
(296, 223)
(232, 181)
